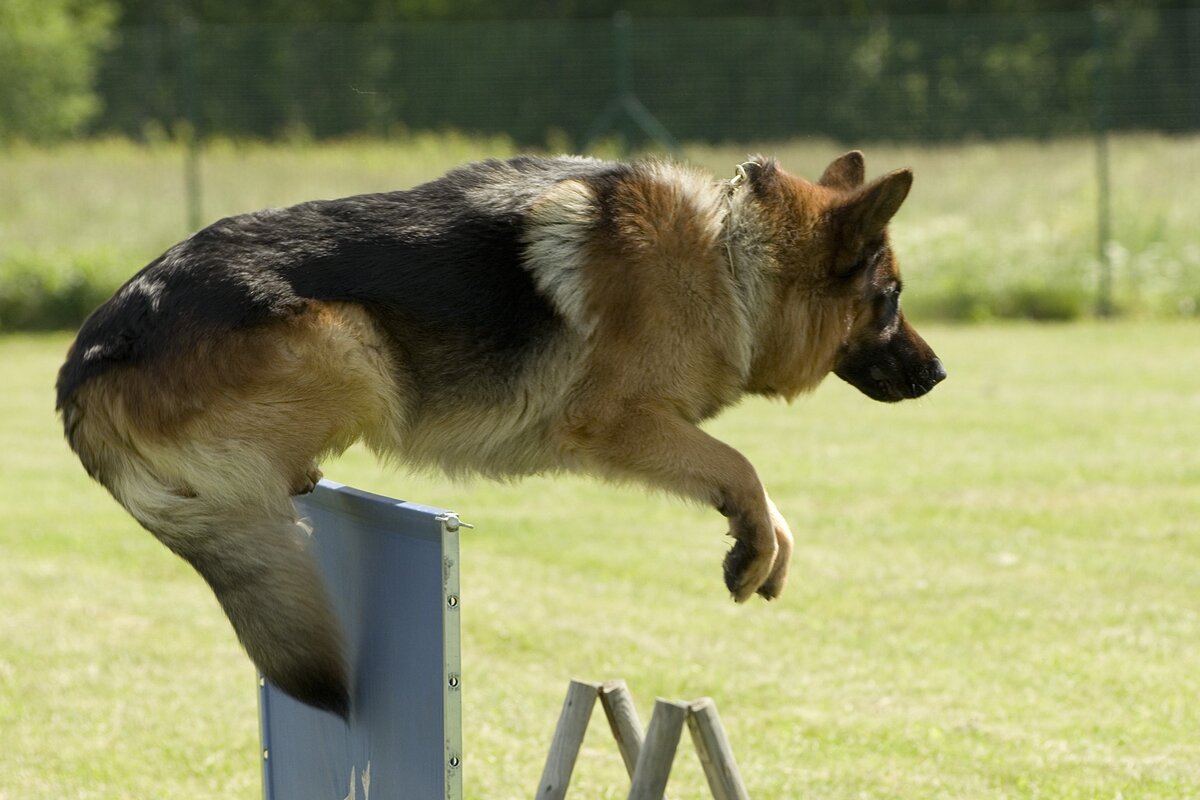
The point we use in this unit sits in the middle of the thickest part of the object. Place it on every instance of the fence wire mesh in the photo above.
(912, 78)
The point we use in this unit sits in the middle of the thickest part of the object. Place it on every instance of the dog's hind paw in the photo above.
(308, 481)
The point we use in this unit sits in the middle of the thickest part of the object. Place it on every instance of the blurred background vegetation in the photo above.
(975, 91)
(916, 71)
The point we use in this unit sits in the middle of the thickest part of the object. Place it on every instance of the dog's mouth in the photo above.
(899, 367)
(890, 382)
(892, 389)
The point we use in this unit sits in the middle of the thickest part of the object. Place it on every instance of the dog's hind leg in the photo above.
(217, 494)
(308, 481)
(206, 453)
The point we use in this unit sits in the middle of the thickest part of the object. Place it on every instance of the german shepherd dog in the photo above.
(511, 318)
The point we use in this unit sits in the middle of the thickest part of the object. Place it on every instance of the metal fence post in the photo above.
(188, 92)
(1100, 25)
(1193, 49)
(625, 103)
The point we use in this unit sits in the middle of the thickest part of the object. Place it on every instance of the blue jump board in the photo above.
(392, 571)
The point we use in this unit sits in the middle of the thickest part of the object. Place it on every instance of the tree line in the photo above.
(535, 69)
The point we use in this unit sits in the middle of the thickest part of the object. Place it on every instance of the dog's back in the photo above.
(450, 250)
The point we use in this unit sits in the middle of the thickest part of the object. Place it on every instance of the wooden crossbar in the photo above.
(648, 760)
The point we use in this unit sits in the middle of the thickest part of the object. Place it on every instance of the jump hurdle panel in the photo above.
(393, 573)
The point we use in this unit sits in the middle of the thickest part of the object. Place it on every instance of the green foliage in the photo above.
(858, 76)
(40, 294)
(309, 11)
(1029, 300)
(48, 57)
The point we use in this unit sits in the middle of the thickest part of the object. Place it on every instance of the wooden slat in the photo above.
(716, 756)
(658, 750)
(622, 721)
(568, 738)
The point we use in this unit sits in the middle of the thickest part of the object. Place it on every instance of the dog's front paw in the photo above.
(747, 568)
(772, 587)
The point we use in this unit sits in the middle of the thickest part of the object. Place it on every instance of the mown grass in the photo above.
(994, 595)
(990, 230)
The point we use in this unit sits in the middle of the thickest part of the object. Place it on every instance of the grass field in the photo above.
(991, 229)
(994, 596)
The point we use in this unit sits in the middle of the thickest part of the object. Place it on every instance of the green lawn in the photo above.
(995, 594)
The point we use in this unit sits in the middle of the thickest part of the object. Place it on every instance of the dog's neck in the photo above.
(745, 249)
(737, 203)
(728, 225)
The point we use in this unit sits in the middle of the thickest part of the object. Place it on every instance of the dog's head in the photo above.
(882, 355)
(837, 267)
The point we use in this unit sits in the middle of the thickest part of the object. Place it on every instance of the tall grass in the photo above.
(990, 230)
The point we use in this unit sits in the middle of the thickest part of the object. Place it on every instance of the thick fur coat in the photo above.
(513, 317)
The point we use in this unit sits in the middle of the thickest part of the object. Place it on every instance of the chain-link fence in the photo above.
(913, 78)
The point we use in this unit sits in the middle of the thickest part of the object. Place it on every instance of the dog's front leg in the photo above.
(654, 445)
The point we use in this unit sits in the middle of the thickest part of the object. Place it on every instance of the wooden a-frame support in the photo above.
(647, 761)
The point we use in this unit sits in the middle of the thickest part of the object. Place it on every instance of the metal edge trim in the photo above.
(451, 657)
(264, 737)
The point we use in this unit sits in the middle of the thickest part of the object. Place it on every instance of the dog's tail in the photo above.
(255, 558)
(229, 516)
(206, 452)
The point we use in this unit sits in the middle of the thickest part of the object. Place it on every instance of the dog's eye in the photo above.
(888, 301)
(865, 263)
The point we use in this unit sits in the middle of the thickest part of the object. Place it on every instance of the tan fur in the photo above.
(246, 415)
(205, 453)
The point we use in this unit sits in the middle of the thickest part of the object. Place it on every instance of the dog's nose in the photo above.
(937, 373)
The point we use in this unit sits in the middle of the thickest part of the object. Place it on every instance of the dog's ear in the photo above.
(861, 217)
(847, 172)
(864, 213)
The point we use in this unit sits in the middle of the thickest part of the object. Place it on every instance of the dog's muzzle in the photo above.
(901, 368)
